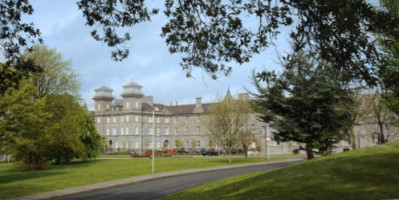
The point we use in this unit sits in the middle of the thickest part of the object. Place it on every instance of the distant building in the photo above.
(127, 123)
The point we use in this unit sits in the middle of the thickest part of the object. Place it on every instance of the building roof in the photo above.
(103, 88)
(133, 84)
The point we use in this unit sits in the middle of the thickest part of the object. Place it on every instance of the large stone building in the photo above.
(127, 124)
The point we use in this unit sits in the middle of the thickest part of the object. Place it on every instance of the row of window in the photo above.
(136, 118)
(127, 118)
(128, 145)
(125, 131)
(107, 107)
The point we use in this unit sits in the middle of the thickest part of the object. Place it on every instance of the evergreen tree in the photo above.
(306, 103)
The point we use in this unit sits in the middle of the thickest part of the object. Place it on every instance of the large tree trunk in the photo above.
(309, 150)
(381, 133)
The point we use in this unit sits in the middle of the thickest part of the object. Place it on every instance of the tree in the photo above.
(225, 120)
(178, 143)
(24, 125)
(375, 110)
(11, 73)
(193, 143)
(73, 135)
(213, 33)
(389, 72)
(14, 33)
(210, 143)
(308, 102)
(57, 75)
(246, 139)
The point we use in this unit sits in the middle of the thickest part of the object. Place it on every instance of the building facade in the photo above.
(127, 123)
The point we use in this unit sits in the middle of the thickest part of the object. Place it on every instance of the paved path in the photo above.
(158, 185)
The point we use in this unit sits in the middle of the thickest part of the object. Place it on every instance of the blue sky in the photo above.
(149, 64)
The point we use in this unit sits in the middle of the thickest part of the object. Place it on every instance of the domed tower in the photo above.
(103, 99)
(132, 96)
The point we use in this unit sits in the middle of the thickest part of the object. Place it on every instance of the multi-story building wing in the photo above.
(127, 123)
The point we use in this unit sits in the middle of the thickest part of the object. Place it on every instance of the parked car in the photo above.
(209, 152)
(184, 150)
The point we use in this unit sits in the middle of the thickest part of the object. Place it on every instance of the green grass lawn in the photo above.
(14, 182)
(370, 173)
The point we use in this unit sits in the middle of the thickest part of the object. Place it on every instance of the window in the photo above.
(187, 143)
(158, 120)
(149, 119)
(121, 118)
(158, 144)
(116, 145)
(113, 131)
(136, 144)
(98, 107)
(198, 143)
(149, 131)
(198, 129)
(137, 118)
(136, 130)
(107, 131)
(127, 130)
(107, 119)
(187, 119)
(187, 130)
(98, 120)
(107, 107)
(127, 118)
(127, 104)
(174, 120)
(121, 130)
(167, 120)
(253, 128)
(114, 119)
(176, 131)
(167, 131)
(158, 130)
(137, 104)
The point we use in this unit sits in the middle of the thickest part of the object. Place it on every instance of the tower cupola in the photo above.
(132, 90)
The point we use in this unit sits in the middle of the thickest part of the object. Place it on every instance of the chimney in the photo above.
(198, 105)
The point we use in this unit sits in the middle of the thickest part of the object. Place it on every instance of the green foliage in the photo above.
(178, 143)
(25, 125)
(389, 71)
(308, 102)
(11, 73)
(57, 75)
(73, 134)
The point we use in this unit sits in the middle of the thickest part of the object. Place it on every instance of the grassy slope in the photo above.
(14, 182)
(370, 173)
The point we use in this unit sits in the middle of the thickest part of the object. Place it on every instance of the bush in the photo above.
(295, 151)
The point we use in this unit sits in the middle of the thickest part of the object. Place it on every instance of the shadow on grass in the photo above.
(18, 173)
(374, 176)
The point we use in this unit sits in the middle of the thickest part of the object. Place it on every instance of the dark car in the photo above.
(184, 150)
(209, 152)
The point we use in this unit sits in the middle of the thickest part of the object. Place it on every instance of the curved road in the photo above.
(166, 186)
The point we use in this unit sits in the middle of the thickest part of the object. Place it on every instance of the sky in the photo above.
(149, 64)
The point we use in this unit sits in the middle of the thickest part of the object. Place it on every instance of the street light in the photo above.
(153, 138)
(266, 139)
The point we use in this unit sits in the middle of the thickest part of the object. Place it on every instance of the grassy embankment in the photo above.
(14, 182)
(370, 173)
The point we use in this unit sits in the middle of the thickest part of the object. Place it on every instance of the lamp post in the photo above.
(266, 146)
(153, 139)
(267, 134)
